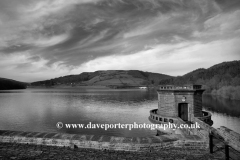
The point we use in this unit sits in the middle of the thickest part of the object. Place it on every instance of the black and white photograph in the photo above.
(119, 79)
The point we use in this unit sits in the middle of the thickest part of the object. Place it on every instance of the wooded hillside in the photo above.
(6, 84)
(222, 79)
(108, 77)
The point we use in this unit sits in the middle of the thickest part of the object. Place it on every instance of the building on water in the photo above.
(179, 105)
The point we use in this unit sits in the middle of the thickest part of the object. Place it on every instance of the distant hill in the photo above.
(106, 78)
(7, 84)
(221, 79)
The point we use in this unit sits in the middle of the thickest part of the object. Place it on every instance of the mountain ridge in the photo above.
(106, 78)
(213, 79)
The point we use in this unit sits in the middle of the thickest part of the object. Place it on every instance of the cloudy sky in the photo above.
(43, 39)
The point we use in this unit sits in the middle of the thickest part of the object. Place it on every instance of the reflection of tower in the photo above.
(179, 104)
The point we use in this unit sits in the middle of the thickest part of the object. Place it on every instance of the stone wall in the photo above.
(100, 142)
(166, 104)
(192, 144)
(230, 136)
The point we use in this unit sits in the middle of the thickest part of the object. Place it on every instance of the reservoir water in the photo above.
(40, 109)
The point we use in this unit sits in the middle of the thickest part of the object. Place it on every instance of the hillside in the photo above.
(106, 78)
(220, 79)
(7, 84)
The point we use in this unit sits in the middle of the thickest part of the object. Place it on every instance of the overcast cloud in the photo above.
(42, 39)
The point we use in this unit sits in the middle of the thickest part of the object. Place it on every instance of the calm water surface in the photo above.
(40, 110)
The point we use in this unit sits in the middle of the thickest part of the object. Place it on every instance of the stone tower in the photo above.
(180, 101)
(178, 104)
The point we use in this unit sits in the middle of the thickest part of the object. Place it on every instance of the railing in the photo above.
(159, 118)
(156, 118)
(218, 144)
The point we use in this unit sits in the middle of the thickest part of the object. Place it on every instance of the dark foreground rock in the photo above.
(26, 151)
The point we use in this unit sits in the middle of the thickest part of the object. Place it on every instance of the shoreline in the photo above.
(39, 145)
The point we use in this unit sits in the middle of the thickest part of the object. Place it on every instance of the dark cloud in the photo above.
(16, 48)
(71, 33)
(228, 5)
(112, 19)
(34, 58)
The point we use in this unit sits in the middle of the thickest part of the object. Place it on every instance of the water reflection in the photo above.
(41, 109)
(221, 105)
(224, 112)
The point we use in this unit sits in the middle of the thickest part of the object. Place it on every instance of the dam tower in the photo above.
(179, 105)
